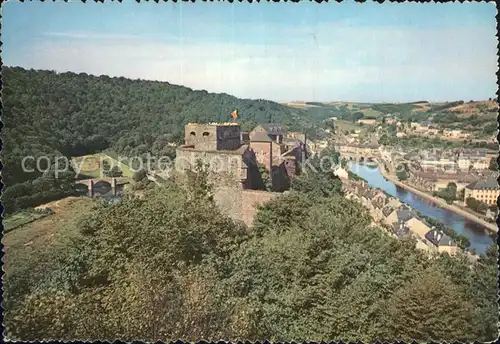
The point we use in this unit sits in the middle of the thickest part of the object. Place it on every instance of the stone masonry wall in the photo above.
(240, 204)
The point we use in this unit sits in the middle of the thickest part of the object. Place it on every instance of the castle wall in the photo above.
(239, 204)
(219, 162)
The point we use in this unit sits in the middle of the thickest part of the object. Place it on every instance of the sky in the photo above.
(391, 52)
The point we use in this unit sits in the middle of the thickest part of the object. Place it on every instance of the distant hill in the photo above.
(474, 108)
(419, 110)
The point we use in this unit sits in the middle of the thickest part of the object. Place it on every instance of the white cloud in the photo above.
(336, 60)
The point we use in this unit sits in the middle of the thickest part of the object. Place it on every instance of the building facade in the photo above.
(275, 148)
(486, 191)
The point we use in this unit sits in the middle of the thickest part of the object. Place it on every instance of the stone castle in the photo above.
(230, 151)
(234, 157)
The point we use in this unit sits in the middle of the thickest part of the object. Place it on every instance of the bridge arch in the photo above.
(99, 182)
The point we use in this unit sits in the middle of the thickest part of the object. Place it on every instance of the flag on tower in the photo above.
(234, 114)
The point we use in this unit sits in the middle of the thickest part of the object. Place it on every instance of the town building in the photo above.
(232, 166)
(455, 134)
(442, 242)
(477, 160)
(278, 150)
(228, 150)
(367, 121)
(437, 180)
(400, 219)
(485, 190)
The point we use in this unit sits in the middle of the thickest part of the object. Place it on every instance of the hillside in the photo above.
(77, 114)
(482, 113)
(474, 108)
(68, 114)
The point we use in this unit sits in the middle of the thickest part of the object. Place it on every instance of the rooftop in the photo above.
(438, 238)
(387, 211)
(484, 184)
(400, 230)
(217, 124)
(274, 128)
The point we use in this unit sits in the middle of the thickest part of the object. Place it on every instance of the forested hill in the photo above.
(76, 114)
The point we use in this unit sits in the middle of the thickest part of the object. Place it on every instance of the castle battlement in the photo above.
(213, 136)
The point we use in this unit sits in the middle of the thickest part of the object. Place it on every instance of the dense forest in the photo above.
(68, 114)
(171, 266)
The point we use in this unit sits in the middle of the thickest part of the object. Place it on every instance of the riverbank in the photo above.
(440, 202)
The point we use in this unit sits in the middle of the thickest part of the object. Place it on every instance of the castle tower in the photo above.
(213, 136)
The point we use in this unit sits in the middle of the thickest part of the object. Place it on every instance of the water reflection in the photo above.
(479, 236)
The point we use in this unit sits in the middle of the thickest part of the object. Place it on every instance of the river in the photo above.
(479, 236)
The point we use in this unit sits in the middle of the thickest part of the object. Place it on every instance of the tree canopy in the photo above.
(170, 266)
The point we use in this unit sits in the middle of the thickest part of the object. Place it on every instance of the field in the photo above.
(24, 243)
(369, 112)
(474, 108)
(22, 218)
(91, 165)
(33, 249)
(345, 125)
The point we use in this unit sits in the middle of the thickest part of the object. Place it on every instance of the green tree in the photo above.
(429, 307)
(139, 175)
(476, 205)
(449, 193)
(317, 178)
(402, 174)
(266, 178)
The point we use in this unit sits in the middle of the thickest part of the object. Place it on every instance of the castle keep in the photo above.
(218, 145)
(213, 136)
(234, 157)
(229, 151)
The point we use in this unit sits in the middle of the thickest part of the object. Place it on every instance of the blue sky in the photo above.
(281, 52)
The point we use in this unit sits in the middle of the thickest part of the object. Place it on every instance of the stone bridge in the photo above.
(358, 157)
(358, 152)
(113, 182)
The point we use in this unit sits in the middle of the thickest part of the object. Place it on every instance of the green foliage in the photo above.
(139, 175)
(394, 108)
(266, 178)
(23, 217)
(317, 178)
(171, 266)
(449, 194)
(476, 205)
(430, 308)
(46, 188)
(402, 174)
